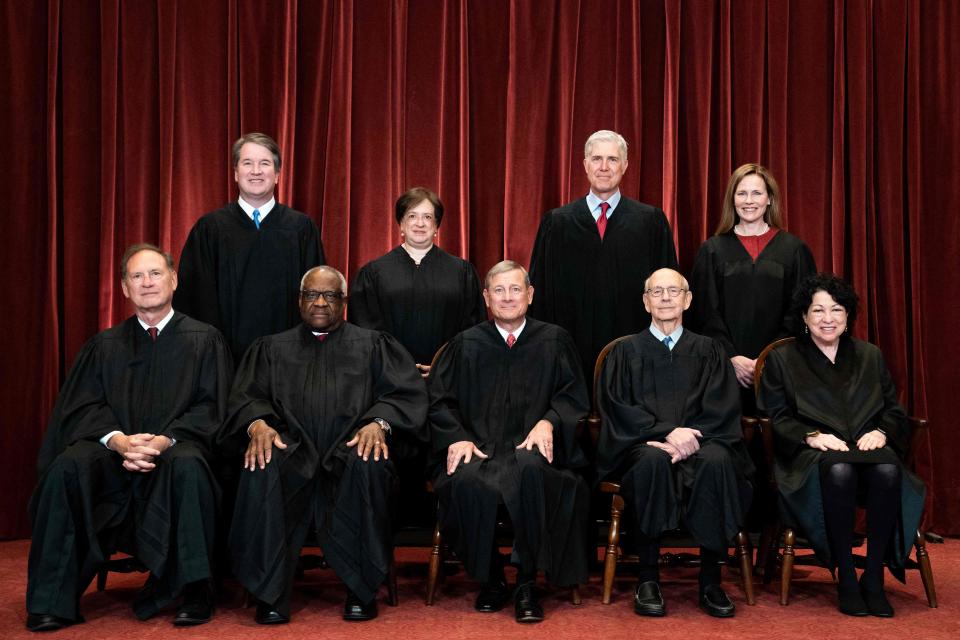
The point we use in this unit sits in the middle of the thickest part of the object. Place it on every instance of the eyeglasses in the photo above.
(329, 296)
(673, 292)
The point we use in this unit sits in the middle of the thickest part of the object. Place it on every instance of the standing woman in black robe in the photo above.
(422, 296)
(418, 293)
(744, 276)
(841, 436)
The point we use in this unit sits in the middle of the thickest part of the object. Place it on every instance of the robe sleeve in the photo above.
(667, 252)
(250, 399)
(706, 300)
(202, 420)
(311, 249)
(81, 411)
(568, 405)
(196, 294)
(539, 276)
(718, 414)
(893, 420)
(788, 429)
(625, 420)
(364, 308)
(446, 421)
(399, 392)
(474, 309)
(803, 265)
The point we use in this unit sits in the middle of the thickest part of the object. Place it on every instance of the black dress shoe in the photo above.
(877, 603)
(648, 601)
(527, 604)
(46, 622)
(850, 601)
(197, 606)
(714, 601)
(266, 614)
(356, 611)
(492, 597)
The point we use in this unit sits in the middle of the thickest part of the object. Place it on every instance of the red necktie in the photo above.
(153, 331)
(511, 339)
(602, 220)
(321, 337)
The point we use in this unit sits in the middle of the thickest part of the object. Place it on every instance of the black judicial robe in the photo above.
(742, 303)
(594, 288)
(645, 392)
(492, 395)
(317, 395)
(246, 281)
(122, 380)
(422, 305)
(802, 391)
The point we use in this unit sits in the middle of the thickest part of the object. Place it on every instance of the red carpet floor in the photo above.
(318, 598)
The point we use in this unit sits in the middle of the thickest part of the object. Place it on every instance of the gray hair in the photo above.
(646, 283)
(261, 139)
(505, 266)
(325, 269)
(606, 136)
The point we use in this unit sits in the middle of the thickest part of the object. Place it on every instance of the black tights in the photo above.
(838, 484)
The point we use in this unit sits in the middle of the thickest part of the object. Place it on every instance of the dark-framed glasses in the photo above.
(657, 292)
(329, 296)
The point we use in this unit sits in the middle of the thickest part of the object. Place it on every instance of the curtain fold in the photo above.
(121, 115)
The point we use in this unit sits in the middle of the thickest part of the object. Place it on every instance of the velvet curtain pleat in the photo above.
(119, 117)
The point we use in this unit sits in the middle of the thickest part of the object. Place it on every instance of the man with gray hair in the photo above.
(312, 412)
(671, 437)
(240, 266)
(590, 256)
(505, 399)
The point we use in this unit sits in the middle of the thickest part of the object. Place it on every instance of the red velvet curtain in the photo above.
(119, 116)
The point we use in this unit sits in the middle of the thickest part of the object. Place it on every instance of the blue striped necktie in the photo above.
(667, 342)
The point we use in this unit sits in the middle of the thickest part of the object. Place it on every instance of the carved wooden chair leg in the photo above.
(786, 570)
(575, 595)
(926, 572)
(746, 566)
(613, 544)
(435, 561)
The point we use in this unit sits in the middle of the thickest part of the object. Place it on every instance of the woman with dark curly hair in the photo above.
(744, 275)
(840, 438)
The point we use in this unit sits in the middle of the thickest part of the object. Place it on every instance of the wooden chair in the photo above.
(787, 536)
(612, 550)
(440, 554)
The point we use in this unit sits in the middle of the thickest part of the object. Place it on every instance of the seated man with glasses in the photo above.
(312, 410)
(671, 437)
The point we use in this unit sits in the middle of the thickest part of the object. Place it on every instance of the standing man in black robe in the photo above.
(505, 399)
(241, 264)
(671, 437)
(590, 256)
(313, 408)
(124, 464)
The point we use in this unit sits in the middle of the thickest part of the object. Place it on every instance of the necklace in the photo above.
(740, 232)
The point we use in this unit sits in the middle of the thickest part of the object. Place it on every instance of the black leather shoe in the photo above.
(850, 602)
(356, 611)
(648, 601)
(46, 622)
(266, 614)
(527, 604)
(877, 603)
(197, 605)
(492, 597)
(714, 601)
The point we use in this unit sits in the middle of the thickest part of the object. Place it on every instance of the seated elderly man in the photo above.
(671, 437)
(314, 408)
(506, 396)
(125, 462)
